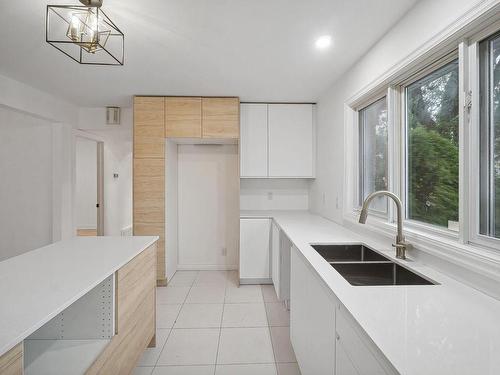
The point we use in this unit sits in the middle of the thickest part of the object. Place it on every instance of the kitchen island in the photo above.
(83, 305)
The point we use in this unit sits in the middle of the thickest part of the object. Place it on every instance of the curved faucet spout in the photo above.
(400, 240)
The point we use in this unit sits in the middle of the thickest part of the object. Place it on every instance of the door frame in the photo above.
(100, 178)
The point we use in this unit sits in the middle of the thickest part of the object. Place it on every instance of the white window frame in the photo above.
(402, 172)
(473, 57)
(461, 39)
(362, 105)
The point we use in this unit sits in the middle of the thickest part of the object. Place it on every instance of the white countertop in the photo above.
(39, 284)
(443, 329)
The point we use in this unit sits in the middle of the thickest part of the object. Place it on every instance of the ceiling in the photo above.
(259, 50)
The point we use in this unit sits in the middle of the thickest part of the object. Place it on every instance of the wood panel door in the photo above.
(221, 118)
(183, 117)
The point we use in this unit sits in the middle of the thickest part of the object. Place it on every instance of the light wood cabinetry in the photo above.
(254, 250)
(149, 128)
(149, 174)
(183, 117)
(158, 118)
(135, 316)
(11, 363)
(221, 118)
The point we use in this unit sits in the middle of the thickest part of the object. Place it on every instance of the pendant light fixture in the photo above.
(84, 33)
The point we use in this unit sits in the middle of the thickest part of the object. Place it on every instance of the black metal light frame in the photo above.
(116, 32)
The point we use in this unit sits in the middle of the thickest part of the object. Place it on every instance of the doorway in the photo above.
(89, 186)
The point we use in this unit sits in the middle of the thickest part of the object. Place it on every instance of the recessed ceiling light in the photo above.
(323, 42)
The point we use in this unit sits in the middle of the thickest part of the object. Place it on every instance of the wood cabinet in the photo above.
(253, 142)
(254, 250)
(149, 174)
(135, 316)
(221, 118)
(312, 319)
(149, 128)
(291, 140)
(183, 117)
(11, 363)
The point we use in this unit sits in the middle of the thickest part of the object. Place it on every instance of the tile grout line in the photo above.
(175, 321)
(220, 326)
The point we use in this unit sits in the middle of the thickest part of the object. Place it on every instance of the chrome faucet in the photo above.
(400, 244)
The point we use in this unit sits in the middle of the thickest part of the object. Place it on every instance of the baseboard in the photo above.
(208, 267)
(252, 281)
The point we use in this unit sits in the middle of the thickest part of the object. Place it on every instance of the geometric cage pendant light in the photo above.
(84, 33)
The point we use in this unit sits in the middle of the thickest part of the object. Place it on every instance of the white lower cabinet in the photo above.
(254, 250)
(275, 257)
(355, 353)
(325, 337)
(312, 319)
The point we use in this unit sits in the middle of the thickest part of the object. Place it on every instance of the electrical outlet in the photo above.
(337, 202)
(224, 251)
(324, 198)
(270, 196)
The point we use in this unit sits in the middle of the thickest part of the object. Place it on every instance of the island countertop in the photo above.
(445, 329)
(38, 285)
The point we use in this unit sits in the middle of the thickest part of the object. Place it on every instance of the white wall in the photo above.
(26, 182)
(86, 183)
(117, 159)
(274, 194)
(208, 207)
(427, 19)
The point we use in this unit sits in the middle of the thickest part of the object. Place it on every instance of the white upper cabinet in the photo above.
(291, 140)
(277, 140)
(253, 140)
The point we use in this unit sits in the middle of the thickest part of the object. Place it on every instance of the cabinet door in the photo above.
(221, 118)
(312, 319)
(344, 365)
(362, 354)
(183, 117)
(253, 140)
(254, 249)
(276, 259)
(291, 140)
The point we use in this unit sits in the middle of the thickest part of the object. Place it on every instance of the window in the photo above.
(489, 206)
(373, 152)
(432, 147)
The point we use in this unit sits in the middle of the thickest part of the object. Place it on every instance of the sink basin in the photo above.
(348, 253)
(383, 273)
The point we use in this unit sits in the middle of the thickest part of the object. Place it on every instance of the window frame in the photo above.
(360, 152)
(460, 40)
(474, 118)
(404, 169)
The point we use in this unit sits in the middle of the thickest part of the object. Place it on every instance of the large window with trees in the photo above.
(489, 146)
(432, 149)
(373, 152)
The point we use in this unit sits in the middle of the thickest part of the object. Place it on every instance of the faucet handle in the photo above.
(401, 249)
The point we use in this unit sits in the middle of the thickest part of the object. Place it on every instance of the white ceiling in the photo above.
(260, 50)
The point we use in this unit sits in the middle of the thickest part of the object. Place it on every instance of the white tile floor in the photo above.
(207, 325)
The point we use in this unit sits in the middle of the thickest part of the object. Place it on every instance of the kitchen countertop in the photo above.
(442, 329)
(39, 284)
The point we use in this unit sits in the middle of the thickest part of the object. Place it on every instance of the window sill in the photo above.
(479, 259)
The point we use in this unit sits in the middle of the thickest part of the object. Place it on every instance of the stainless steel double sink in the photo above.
(362, 266)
